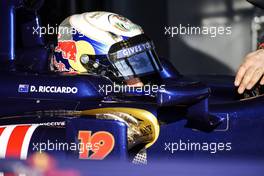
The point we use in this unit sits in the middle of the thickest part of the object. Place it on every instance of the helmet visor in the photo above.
(134, 58)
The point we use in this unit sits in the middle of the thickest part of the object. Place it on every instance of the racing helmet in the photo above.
(104, 43)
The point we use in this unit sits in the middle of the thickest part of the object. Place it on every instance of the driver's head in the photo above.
(105, 44)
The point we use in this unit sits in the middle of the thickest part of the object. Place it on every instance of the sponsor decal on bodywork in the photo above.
(25, 88)
(95, 146)
(53, 124)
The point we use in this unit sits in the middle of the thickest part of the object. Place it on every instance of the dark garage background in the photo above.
(190, 54)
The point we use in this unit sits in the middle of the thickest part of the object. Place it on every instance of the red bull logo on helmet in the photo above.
(68, 49)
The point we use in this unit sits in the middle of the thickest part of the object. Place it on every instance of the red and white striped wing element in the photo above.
(15, 140)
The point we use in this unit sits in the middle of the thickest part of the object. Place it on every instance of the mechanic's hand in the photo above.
(251, 71)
